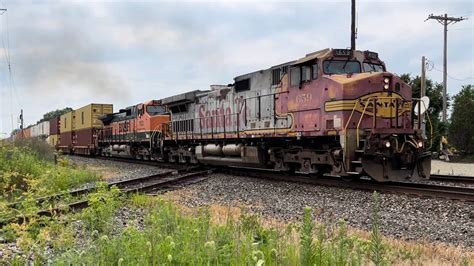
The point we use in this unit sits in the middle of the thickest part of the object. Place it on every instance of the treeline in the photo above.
(460, 125)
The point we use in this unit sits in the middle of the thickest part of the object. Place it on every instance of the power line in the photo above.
(451, 77)
(430, 65)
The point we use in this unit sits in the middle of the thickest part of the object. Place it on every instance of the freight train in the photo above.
(335, 111)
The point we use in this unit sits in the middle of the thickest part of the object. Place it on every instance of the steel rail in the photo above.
(146, 184)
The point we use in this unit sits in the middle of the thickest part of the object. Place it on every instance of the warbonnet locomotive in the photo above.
(334, 111)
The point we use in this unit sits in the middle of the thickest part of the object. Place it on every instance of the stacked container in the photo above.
(27, 133)
(66, 126)
(53, 138)
(87, 126)
(78, 129)
(40, 130)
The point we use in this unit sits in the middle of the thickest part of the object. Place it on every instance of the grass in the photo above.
(171, 236)
(31, 171)
(28, 171)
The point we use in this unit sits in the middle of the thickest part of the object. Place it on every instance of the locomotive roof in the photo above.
(181, 98)
(312, 56)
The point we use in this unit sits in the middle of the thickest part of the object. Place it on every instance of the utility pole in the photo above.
(445, 21)
(423, 93)
(353, 25)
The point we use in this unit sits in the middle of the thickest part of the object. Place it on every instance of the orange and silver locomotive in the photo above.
(335, 111)
(133, 131)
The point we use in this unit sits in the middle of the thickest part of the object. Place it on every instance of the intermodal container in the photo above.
(35, 131)
(87, 116)
(27, 133)
(85, 137)
(53, 140)
(40, 129)
(67, 122)
(18, 135)
(65, 139)
(54, 126)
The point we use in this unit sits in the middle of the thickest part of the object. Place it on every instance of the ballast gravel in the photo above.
(401, 216)
(118, 171)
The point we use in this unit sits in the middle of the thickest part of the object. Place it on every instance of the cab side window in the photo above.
(314, 74)
(295, 74)
(306, 70)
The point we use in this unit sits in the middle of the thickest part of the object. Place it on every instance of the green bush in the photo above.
(24, 172)
(102, 206)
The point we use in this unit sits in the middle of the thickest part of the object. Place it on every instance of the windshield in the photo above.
(369, 67)
(155, 109)
(341, 67)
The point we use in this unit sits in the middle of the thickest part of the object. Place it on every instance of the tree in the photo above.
(461, 129)
(435, 92)
(50, 115)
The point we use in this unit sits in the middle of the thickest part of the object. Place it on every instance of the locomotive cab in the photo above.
(379, 136)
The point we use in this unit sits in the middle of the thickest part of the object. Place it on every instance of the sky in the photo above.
(72, 53)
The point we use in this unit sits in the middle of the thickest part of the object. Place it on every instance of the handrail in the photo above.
(360, 120)
(431, 125)
(345, 133)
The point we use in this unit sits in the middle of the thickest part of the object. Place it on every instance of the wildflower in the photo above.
(210, 244)
(148, 243)
(274, 253)
(170, 258)
(260, 262)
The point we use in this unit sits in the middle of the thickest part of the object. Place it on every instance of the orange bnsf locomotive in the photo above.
(335, 111)
(133, 131)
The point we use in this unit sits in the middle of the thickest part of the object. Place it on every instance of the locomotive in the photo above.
(334, 111)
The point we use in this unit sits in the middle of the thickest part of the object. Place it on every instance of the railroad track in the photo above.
(148, 184)
(413, 189)
(453, 178)
(407, 188)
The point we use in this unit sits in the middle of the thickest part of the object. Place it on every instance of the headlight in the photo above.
(386, 80)
(387, 144)
(420, 144)
(385, 86)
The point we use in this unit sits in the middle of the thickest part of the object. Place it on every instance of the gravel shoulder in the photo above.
(402, 217)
